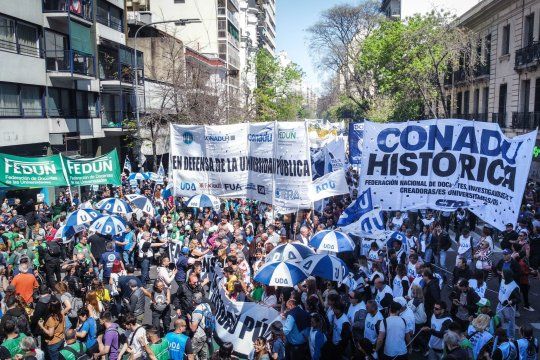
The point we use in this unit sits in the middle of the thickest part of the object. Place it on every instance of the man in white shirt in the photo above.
(393, 335)
(407, 314)
(136, 338)
(273, 237)
(356, 313)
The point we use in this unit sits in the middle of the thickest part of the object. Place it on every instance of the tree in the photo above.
(336, 40)
(278, 94)
(407, 63)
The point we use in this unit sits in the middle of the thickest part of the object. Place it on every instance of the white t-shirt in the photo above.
(395, 336)
(134, 342)
(370, 330)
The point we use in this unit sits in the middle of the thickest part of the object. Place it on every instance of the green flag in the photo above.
(101, 170)
(27, 172)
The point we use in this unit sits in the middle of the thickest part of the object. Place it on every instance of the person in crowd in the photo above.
(393, 338)
(180, 345)
(53, 329)
(296, 320)
(440, 322)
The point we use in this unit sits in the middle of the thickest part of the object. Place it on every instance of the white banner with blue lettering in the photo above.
(362, 219)
(269, 162)
(238, 322)
(446, 164)
(331, 184)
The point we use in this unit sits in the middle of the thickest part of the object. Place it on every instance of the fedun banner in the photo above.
(101, 170)
(446, 164)
(36, 172)
(237, 322)
(265, 161)
(50, 171)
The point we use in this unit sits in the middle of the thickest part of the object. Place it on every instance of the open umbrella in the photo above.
(202, 201)
(280, 273)
(394, 236)
(141, 202)
(108, 225)
(332, 240)
(328, 267)
(81, 216)
(294, 252)
(138, 176)
(66, 233)
(114, 205)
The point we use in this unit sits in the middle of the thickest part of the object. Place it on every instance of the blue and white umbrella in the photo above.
(294, 252)
(280, 273)
(66, 233)
(202, 201)
(81, 216)
(332, 240)
(141, 202)
(114, 206)
(138, 176)
(328, 267)
(109, 225)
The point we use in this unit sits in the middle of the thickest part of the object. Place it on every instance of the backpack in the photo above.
(209, 320)
(53, 248)
(76, 305)
(79, 355)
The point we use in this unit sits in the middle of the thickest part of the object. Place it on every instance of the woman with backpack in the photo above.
(53, 328)
(527, 344)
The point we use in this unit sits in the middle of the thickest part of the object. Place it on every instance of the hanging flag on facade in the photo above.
(127, 165)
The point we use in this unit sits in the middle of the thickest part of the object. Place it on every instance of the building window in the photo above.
(485, 100)
(459, 99)
(502, 100)
(528, 36)
(476, 101)
(466, 97)
(506, 40)
(179, 1)
(18, 37)
(526, 95)
(537, 95)
(110, 16)
(9, 100)
(20, 100)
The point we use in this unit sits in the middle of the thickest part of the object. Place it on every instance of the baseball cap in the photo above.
(509, 225)
(483, 302)
(507, 251)
(401, 301)
(185, 250)
(132, 283)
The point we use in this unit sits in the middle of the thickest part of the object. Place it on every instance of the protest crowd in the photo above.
(143, 292)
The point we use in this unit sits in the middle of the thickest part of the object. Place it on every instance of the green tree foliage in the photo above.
(275, 95)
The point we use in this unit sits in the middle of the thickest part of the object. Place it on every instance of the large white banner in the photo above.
(265, 161)
(446, 164)
(239, 323)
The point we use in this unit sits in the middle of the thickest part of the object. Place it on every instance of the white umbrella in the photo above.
(202, 201)
(328, 267)
(141, 202)
(332, 240)
(81, 216)
(294, 252)
(280, 273)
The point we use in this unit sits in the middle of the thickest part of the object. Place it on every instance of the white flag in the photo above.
(331, 184)
(127, 164)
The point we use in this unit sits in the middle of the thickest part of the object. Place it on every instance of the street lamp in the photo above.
(177, 22)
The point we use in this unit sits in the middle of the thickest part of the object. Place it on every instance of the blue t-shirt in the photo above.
(107, 260)
(177, 345)
(128, 238)
(90, 327)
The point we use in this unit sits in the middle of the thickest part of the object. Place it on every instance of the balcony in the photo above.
(72, 113)
(499, 118)
(114, 119)
(82, 9)
(232, 18)
(527, 56)
(222, 11)
(460, 76)
(234, 4)
(481, 71)
(62, 63)
(117, 67)
(11, 112)
(105, 19)
(525, 120)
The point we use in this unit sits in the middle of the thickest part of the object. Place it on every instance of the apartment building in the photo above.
(503, 87)
(66, 80)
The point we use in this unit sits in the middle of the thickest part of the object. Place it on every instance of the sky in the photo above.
(293, 17)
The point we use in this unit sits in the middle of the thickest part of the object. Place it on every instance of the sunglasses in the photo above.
(437, 309)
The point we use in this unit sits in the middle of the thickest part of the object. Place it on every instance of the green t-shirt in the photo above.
(257, 293)
(14, 345)
(161, 349)
(77, 346)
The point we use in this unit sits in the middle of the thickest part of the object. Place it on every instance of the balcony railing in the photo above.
(499, 118)
(115, 118)
(529, 55)
(525, 120)
(481, 70)
(72, 113)
(221, 11)
(75, 7)
(460, 76)
(113, 23)
(232, 18)
(18, 112)
(234, 3)
(70, 61)
(19, 48)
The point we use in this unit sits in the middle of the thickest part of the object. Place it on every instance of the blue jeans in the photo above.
(127, 257)
(54, 350)
(428, 256)
(145, 271)
(508, 317)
